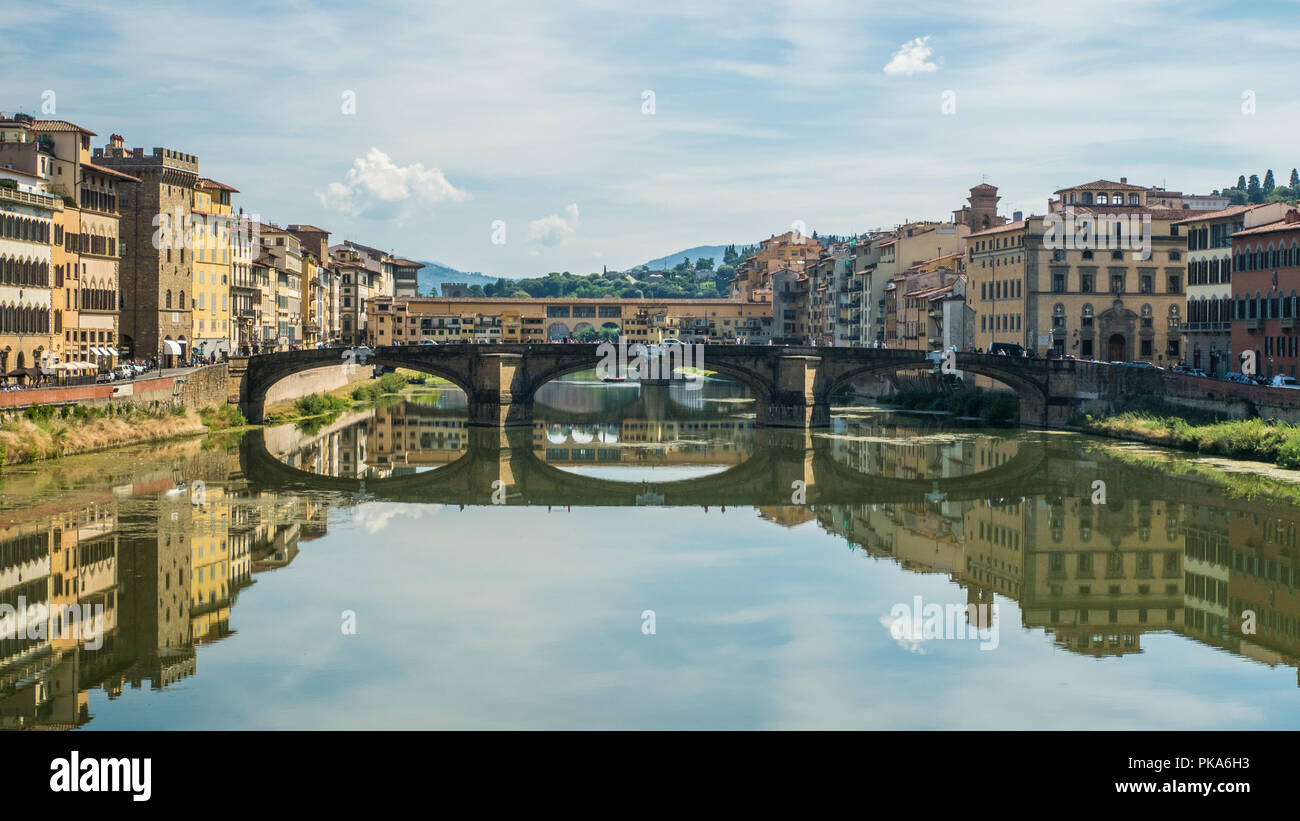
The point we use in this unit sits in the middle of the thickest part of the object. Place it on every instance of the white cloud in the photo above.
(553, 230)
(377, 516)
(912, 58)
(376, 183)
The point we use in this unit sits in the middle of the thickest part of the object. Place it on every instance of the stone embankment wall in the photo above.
(201, 388)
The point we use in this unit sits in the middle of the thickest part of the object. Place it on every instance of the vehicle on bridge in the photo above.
(1006, 349)
(1281, 381)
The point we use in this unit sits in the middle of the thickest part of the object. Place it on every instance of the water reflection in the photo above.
(994, 515)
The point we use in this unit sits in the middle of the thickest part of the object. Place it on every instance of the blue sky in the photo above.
(764, 113)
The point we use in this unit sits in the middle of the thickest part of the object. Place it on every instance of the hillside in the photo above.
(715, 251)
(434, 274)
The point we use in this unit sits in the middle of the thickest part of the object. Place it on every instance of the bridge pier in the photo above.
(498, 396)
(793, 401)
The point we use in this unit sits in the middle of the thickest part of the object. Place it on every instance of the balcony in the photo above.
(1287, 323)
(1254, 324)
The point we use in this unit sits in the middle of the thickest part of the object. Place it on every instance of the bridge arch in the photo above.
(1032, 392)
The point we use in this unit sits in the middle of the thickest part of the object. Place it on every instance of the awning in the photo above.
(96, 351)
(172, 347)
(112, 351)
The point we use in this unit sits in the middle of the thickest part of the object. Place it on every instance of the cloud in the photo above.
(376, 184)
(377, 516)
(553, 230)
(912, 58)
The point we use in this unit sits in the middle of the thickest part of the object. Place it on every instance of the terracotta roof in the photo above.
(60, 125)
(99, 169)
(1230, 211)
(999, 229)
(406, 263)
(1103, 185)
(311, 228)
(209, 183)
(1154, 211)
(1270, 228)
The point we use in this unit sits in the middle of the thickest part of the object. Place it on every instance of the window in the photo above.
(1086, 282)
(1117, 283)
(1058, 283)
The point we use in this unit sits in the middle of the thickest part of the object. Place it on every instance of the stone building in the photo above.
(157, 269)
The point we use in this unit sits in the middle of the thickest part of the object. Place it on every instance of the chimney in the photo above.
(1292, 216)
(116, 141)
(1124, 180)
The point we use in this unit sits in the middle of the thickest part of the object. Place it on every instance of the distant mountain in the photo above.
(434, 274)
(715, 251)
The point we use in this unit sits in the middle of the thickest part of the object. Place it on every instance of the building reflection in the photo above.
(157, 566)
(159, 550)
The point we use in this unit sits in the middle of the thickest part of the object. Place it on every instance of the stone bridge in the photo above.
(791, 386)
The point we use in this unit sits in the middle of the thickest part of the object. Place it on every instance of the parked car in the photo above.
(1281, 381)
(427, 342)
(105, 376)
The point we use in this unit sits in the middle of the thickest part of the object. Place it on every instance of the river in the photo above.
(647, 558)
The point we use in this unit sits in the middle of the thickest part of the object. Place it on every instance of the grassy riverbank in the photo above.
(1264, 441)
(47, 433)
(994, 407)
(319, 409)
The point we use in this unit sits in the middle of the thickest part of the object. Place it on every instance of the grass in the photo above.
(222, 417)
(46, 432)
(1258, 439)
(990, 406)
(388, 383)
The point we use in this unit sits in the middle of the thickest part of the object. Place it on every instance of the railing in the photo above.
(39, 200)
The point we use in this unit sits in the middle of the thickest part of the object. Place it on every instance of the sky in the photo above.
(518, 138)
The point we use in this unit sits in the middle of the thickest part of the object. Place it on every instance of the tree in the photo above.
(1236, 196)
(1253, 191)
(1241, 182)
(704, 264)
(587, 334)
(1269, 182)
(608, 334)
(1295, 182)
(729, 255)
(476, 290)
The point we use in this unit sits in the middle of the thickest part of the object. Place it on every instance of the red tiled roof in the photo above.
(1103, 185)
(1230, 211)
(999, 229)
(60, 125)
(1270, 228)
(99, 169)
(209, 183)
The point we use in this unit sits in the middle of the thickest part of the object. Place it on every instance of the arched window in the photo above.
(167, 298)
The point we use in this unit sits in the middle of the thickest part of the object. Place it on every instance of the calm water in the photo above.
(646, 558)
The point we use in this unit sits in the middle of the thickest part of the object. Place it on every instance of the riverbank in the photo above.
(993, 407)
(1277, 443)
(46, 433)
(322, 408)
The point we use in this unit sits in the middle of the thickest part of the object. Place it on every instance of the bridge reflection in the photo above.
(390, 453)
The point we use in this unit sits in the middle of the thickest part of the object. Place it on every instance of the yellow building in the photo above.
(407, 321)
(1103, 282)
(213, 267)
